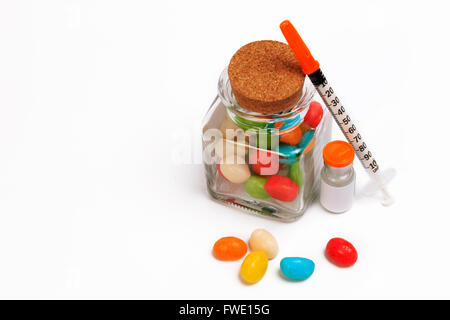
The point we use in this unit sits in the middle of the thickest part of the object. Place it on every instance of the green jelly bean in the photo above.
(249, 124)
(263, 135)
(296, 174)
(264, 140)
(255, 187)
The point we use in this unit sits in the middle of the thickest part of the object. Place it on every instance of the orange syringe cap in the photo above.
(308, 63)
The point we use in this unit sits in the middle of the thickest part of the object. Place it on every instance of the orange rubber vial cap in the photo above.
(338, 154)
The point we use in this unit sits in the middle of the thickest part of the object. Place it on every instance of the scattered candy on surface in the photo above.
(296, 174)
(297, 268)
(264, 247)
(281, 188)
(263, 240)
(292, 137)
(264, 163)
(314, 114)
(341, 252)
(229, 249)
(255, 187)
(236, 171)
(254, 266)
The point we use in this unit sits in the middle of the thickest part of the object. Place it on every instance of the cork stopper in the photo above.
(266, 77)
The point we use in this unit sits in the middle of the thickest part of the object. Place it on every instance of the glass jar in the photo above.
(253, 160)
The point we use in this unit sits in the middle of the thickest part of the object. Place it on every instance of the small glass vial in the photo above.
(337, 183)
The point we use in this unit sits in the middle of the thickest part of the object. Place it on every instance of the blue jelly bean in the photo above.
(288, 153)
(306, 139)
(297, 268)
(285, 123)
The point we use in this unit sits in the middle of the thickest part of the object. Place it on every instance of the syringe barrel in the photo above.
(342, 118)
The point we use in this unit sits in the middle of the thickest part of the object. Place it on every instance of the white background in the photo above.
(96, 203)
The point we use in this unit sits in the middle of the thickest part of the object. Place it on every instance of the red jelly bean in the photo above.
(281, 188)
(341, 252)
(264, 163)
(314, 114)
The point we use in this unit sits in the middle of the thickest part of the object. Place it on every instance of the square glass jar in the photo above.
(252, 160)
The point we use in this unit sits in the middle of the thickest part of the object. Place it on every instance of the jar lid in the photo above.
(338, 154)
(266, 77)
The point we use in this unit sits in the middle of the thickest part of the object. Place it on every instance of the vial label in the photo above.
(337, 199)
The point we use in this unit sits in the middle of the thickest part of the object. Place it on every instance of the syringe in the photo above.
(311, 67)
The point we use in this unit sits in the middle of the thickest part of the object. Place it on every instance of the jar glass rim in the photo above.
(273, 122)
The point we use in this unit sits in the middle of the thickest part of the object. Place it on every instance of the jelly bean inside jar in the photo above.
(281, 188)
(292, 137)
(288, 153)
(306, 139)
(255, 187)
(313, 116)
(254, 267)
(264, 163)
(234, 169)
(296, 174)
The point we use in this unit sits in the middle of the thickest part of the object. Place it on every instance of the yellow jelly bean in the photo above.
(254, 266)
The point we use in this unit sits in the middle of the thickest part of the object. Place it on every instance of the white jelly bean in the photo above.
(263, 240)
(237, 171)
(228, 124)
(225, 147)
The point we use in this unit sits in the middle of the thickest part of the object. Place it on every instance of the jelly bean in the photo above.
(263, 240)
(264, 163)
(234, 139)
(255, 187)
(314, 114)
(254, 266)
(235, 171)
(341, 252)
(288, 154)
(249, 124)
(263, 137)
(293, 137)
(296, 174)
(310, 146)
(228, 124)
(306, 139)
(297, 268)
(281, 188)
(226, 147)
(229, 249)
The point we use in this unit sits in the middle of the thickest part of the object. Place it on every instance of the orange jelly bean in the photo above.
(229, 249)
(293, 137)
